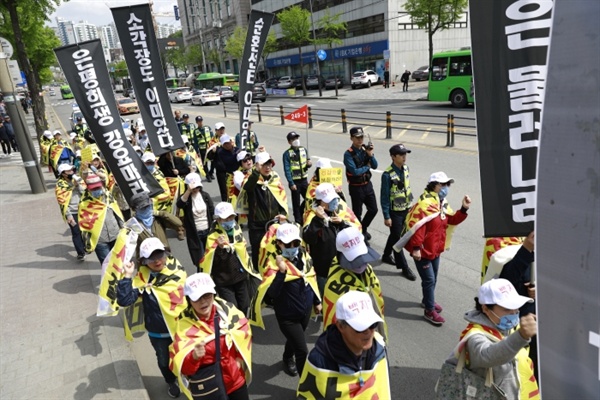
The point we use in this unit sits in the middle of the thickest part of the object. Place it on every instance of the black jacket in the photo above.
(193, 240)
(518, 272)
(321, 241)
(167, 167)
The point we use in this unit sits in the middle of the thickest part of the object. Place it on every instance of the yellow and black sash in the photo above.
(63, 192)
(92, 213)
(274, 185)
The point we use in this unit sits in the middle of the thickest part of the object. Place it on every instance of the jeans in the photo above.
(295, 344)
(76, 236)
(397, 218)
(301, 187)
(364, 195)
(237, 294)
(428, 271)
(161, 347)
(103, 250)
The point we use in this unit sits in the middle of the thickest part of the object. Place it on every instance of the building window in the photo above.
(405, 22)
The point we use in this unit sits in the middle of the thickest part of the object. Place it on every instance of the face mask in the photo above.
(443, 192)
(150, 168)
(145, 215)
(296, 143)
(333, 204)
(507, 322)
(228, 225)
(96, 193)
(290, 253)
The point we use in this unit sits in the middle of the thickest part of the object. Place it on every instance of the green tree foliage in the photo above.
(120, 69)
(214, 56)
(271, 46)
(194, 56)
(295, 27)
(235, 43)
(22, 23)
(178, 34)
(176, 58)
(434, 15)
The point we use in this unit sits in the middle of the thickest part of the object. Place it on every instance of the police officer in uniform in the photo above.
(248, 142)
(201, 138)
(186, 128)
(396, 198)
(359, 159)
(79, 128)
(296, 163)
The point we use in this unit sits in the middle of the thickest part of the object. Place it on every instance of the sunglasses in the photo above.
(370, 328)
(293, 243)
(445, 184)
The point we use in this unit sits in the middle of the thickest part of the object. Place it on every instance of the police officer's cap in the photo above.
(398, 149)
(199, 118)
(78, 119)
(184, 116)
(292, 136)
(356, 131)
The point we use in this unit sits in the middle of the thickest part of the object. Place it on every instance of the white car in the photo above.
(205, 96)
(180, 94)
(364, 78)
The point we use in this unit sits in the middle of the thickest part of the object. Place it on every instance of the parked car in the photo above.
(314, 81)
(258, 93)
(52, 92)
(271, 82)
(297, 82)
(422, 73)
(225, 92)
(202, 97)
(330, 82)
(364, 78)
(180, 94)
(285, 82)
(127, 106)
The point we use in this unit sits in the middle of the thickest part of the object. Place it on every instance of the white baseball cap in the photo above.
(193, 180)
(263, 157)
(64, 167)
(72, 135)
(440, 177)
(323, 163)
(503, 293)
(137, 148)
(57, 132)
(96, 156)
(287, 233)
(48, 134)
(219, 125)
(78, 153)
(356, 308)
(225, 138)
(148, 156)
(197, 285)
(128, 132)
(326, 192)
(241, 155)
(185, 139)
(149, 246)
(355, 252)
(224, 210)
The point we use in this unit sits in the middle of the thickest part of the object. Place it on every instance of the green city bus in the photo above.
(212, 79)
(65, 92)
(450, 78)
(174, 83)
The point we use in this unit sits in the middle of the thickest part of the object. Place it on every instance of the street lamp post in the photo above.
(315, 47)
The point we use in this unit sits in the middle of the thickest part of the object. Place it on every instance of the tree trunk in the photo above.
(39, 108)
(302, 72)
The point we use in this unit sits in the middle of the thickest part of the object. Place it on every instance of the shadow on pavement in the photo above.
(88, 344)
(57, 250)
(76, 284)
(260, 386)
(404, 380)
(101, 380)
(393, 309)
(70, 263)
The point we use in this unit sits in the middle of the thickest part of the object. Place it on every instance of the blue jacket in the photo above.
(362, 156)
(153, 318)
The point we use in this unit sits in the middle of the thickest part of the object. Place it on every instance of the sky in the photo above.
(97, 12)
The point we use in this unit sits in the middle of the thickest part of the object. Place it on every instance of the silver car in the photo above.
(285, 82)
(180, 94)
(225, 92)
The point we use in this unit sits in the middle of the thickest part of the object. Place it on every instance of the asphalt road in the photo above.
(416, 348)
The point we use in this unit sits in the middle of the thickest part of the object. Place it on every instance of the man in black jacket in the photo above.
(172, 166)
(224, 158)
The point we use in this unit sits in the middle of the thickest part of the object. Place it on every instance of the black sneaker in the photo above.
(388, 259)
(289, 367)
(81, 257)
(173, 390)
(367, 236)
(408, 274)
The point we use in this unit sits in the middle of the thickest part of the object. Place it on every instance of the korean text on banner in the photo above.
(331, 175)
(86, 73)
(140, 47)
(299, 115)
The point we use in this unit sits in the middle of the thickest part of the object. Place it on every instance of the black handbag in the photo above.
(207, 382)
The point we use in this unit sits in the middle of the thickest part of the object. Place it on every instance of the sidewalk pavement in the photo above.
(52, 345)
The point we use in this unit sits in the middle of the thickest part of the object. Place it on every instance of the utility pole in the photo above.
(315, 46)
(32, 166)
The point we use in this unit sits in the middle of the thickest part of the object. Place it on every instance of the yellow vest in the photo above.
(298, 166)
(400, 195)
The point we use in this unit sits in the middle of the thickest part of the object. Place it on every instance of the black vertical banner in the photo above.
(567, 226)
(85, 69)
(140, 47)
(258, 29)
(510, 43)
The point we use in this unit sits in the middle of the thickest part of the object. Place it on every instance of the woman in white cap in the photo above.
(45, 141)
(322, 163)
(496, 338)
(198, 210)
(289, 282)
(195, 349)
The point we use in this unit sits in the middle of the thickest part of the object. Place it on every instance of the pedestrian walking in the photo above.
(224, 158)
(69, 189)
(348, 354)
(396, 199)
(404, 79)
(4, 140)
(386, 79)
(186, 128)
(296, 163)
(162, 201)
(10, 131)
(159, 281)
(359, 159)
(431, 216)
(201, 139)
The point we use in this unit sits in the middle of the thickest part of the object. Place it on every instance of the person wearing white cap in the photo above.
(263, 199)
(322, 163)
(215, 142)
(328, 216)
(162, 201)
(142, 139)
(45, 141)
(60, 152)
(160, 282)
(296, 163)
(198, 210)
(227, 260)
(96, 166)
(69, 189)
(289, 282)
(352, 271)
(427, 223)
(350, 350)
(245, 161)
(496, 338)
(195, 349)
(224, 159)
(396, 199)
